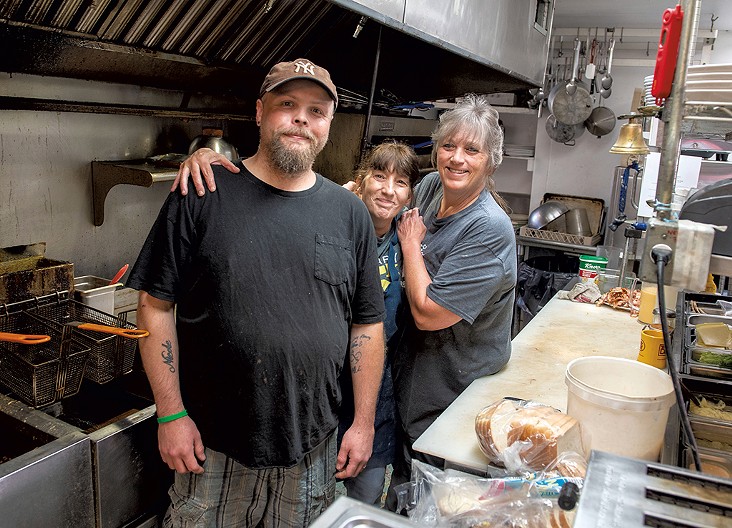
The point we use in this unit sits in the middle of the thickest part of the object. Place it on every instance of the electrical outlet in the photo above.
(659, 232)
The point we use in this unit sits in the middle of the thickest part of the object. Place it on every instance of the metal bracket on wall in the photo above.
(107, 174)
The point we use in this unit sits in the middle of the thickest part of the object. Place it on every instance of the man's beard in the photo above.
(293, 160)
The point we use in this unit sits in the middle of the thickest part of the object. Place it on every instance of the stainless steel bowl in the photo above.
(216, 144)
(546, 213)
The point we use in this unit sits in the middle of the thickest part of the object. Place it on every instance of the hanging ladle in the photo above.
(606, 82)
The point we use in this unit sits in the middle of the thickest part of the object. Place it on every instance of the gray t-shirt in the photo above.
(471, 259)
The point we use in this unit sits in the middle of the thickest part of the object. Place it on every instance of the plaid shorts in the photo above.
(228, 494)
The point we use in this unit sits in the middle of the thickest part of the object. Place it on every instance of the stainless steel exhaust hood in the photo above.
(428, 48)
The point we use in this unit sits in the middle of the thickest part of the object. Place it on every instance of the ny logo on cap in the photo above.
(307, 67)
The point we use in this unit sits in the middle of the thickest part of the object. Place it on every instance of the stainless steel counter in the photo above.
(94, 454)
(350, 513)
(47, 479)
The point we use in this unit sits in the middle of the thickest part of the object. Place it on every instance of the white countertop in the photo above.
(560, 332)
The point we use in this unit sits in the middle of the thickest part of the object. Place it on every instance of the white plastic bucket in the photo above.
(622, 405)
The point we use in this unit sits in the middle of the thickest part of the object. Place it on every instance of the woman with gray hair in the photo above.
(459, 267)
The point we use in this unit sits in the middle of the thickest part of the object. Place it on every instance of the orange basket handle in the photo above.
(124, 332)
(24, 339)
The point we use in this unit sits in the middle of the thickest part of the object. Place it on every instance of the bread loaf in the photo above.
(493, 435)
(543, 432)
(547, 432)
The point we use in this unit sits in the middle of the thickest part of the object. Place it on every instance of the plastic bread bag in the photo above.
(521, 513)
(439, 497)
(525, 436)
(568, 464)
(434, 497)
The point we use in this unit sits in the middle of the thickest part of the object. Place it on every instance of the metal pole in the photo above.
(673, 113)
(365, 139)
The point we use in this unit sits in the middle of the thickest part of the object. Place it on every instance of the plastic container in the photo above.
(622, 405)
(590, 266)
(649, 301)
(95, 292)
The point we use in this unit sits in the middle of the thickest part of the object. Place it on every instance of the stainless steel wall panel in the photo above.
(393, 9)
(129, 476)
(48, 482)
(499, 34)
(50, 486)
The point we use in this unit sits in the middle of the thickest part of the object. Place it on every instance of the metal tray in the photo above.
(349, 513)
(709, 308)
(714, 462)
(709, 371)
(714, 397)
(697, 352)
(695, 319)
(708, 430)
(690, 355)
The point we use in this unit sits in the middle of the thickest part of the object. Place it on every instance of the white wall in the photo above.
(587, 168)
(722, 53)
(45, 172)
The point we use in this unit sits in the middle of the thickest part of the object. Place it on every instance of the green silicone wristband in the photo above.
(170, 418)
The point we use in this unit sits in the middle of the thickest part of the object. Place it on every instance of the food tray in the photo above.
(708, 308)
(692, 365)
(556, 236)
(110, 356)
(45, 373)
(707, 430)
(714, 462)
(697, 353)
(695, 319)
(714, 398)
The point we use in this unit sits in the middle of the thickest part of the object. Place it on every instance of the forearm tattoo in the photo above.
(168, 355)
(357, 344)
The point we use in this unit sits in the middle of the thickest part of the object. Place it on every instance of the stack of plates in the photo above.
(709, 84)
(518, 151)
(648, 99)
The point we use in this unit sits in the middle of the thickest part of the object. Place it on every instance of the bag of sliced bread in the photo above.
(524, 436)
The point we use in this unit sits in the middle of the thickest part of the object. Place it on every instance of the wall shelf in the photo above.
(107, 174)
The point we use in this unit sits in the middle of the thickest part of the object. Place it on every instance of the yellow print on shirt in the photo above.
(384, 272)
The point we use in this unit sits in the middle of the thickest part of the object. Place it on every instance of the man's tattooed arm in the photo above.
(357, 344)
(167, 354)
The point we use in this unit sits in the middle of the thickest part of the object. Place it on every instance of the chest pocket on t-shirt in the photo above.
(333, 259)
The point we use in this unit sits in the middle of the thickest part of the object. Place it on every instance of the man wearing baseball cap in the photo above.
(254, 297)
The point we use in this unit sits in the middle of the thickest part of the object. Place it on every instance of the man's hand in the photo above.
(355, 451)
(198, 164)
(180, 445)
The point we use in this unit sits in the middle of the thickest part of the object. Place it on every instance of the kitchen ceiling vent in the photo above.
(427, 50)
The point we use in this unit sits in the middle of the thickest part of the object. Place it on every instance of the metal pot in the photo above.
(560, 132)
(212, 138)
(601, 121)
(570, 101)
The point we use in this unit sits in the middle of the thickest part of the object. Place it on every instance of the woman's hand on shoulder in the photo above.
(354, 187)
(198, 167)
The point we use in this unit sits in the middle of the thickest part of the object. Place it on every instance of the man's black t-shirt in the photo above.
(267, 283)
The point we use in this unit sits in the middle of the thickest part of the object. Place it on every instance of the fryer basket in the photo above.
(44, 373)
(110, 356)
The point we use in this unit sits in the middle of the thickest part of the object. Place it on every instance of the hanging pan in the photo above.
(560, 132)
(570, 101)
(601, 121)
